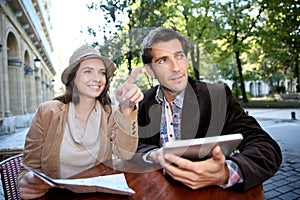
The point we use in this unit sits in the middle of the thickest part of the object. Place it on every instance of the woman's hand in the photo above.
(32, 187)
(129, 94)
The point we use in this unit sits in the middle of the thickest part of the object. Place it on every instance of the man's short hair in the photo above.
(161, 34)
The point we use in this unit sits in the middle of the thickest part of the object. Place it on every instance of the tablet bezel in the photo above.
(200, 148)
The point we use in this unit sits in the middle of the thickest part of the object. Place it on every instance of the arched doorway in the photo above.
(14, 64)
(259, 89)
(252, 89)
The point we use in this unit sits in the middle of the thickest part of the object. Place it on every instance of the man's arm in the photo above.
(260, 155)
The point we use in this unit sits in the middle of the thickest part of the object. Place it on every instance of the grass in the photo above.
(262, 103)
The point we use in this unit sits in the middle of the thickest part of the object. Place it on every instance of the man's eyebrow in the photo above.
(160, 58)
(164, 57)
(178, 52)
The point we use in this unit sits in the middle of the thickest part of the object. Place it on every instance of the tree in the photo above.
(195, 20)
(186, 16)
(224, 31)
(280, 35)
(237, 20)
(124, 31)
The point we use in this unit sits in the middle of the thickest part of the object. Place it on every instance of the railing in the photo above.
(4, 154)
(11, 123)
(12, 131)
(291, 96)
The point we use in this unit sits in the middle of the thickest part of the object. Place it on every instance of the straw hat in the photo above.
(86, 52)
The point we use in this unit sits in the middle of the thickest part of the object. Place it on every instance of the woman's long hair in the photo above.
(71, 94)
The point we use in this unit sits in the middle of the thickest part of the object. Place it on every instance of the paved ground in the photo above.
(285, 184)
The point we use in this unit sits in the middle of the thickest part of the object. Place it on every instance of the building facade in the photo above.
(26, 69)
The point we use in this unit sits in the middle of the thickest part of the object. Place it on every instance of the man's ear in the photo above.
(150, 71)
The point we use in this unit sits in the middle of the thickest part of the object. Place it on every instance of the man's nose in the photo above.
(174, 65)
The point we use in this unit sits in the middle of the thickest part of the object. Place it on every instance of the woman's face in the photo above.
(90, 78)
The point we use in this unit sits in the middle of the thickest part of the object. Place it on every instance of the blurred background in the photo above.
(253, 46)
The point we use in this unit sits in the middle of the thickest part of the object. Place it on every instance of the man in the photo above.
(182, 108)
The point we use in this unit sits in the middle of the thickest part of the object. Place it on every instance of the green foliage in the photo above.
(270, 104)
(237, 40)
(280, 36)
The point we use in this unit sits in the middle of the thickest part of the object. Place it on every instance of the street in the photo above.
(285, 184)
(278, 123)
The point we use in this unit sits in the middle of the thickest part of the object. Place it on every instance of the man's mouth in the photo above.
(177, 78)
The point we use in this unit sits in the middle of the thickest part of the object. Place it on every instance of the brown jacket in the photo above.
(211, 110)
(42, 146)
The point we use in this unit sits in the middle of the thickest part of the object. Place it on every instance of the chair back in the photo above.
(9, 170)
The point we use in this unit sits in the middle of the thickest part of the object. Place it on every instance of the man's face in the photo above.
(169, 67)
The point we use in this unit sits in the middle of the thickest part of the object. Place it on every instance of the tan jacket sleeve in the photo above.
(124, 134)
(43, 139)
(33, 144)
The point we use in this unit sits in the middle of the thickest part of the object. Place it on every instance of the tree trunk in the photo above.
(297, 75)
(129, 53)
(239, 65)
(195, 57)
(272, 89)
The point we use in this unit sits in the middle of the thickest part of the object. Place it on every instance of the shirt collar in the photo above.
(178, 101)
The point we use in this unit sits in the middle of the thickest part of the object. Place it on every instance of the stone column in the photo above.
(15, 86)
(38, 90)
(30, 90)
(2, 89)
(2, 65)
(5, 93)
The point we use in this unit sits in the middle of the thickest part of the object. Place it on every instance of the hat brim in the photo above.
(109, 65)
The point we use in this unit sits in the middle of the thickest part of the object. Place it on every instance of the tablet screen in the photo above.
(200, 148)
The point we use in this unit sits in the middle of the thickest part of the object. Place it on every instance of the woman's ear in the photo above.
(150, 71)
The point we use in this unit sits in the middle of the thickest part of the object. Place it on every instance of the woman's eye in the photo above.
(87, 71)
(102, 72)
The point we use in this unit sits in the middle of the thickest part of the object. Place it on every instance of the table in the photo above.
(151, 184)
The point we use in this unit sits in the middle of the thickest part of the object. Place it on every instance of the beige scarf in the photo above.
(80, 146)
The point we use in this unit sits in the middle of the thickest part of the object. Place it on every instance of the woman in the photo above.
(79, 129)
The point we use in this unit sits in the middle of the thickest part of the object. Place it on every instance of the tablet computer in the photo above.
(200, 148)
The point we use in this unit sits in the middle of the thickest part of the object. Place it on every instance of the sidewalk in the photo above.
(273, 113)
(285, 184)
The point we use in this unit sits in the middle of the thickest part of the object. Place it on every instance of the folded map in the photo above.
(115, 183)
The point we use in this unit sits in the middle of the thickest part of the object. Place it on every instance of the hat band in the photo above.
(89, 55)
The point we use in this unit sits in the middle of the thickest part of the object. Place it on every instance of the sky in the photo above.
(68, 19)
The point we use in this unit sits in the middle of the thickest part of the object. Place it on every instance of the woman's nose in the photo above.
(98, 77)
